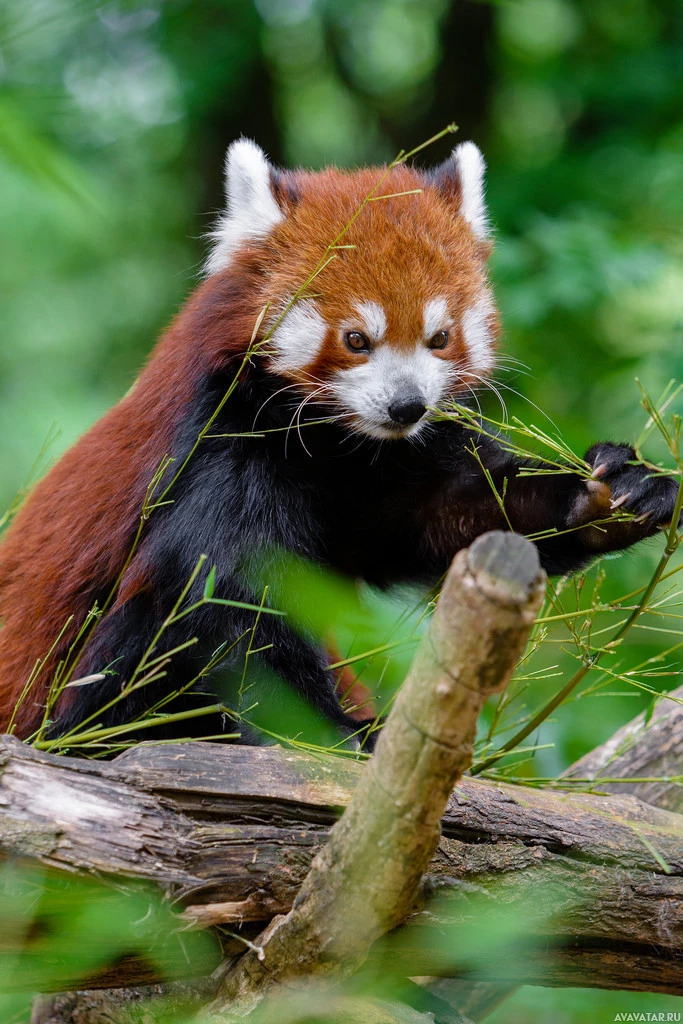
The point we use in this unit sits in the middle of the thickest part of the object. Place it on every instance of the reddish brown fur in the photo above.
(436, 255)
(71, 538)
(356, 699)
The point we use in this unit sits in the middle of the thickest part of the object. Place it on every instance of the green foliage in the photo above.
(75, 928)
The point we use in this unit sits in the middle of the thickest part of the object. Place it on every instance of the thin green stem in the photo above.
(85, 738)
(673, 542)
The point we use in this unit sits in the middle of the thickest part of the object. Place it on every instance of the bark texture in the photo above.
(160, 1003)
(209, 824)
(151, 1004)
(647, 748)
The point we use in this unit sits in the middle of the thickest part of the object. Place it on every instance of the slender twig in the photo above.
(673, 542)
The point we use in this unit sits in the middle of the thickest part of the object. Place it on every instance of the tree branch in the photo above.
(365, 879)
(160, 1003)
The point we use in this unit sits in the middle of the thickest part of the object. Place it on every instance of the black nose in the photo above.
(407, 410)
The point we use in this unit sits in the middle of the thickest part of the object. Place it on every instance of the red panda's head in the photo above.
(402, 317)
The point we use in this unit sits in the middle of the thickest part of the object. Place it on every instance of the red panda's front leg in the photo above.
(619, 484)
(570, 518)
(117, 649)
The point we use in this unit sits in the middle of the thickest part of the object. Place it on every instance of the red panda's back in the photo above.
(72, 537)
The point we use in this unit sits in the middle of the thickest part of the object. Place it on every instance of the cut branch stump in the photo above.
(365, 879)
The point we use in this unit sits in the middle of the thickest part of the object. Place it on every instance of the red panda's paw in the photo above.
(619, 483)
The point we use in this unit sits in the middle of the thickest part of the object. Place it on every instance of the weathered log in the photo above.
(648, 752)
(152, 1004)
(207, 823)
(193, 809)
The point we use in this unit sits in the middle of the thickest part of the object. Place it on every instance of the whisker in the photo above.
(492, 387)
(419, 440)
(304, 378)
(375, 456)
(297, 415)
(362, 439)
(475, 396)
(524, 398)
(502, 358)
(458, 374)
(298, 419)
(287, 387)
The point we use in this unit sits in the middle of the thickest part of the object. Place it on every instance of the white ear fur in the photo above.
(251, 208)
(471, 166)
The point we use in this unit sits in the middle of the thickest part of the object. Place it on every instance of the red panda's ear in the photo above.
(461, 178)
(252, 208)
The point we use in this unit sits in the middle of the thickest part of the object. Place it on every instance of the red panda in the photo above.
(398, 321)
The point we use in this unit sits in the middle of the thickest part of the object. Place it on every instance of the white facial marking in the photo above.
(471, 168)
(477, 332)
(436, 317)
(375, 319)
(299, 336)
(367, 390)
(251, 209)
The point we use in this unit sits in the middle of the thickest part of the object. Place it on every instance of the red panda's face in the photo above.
(402, 317)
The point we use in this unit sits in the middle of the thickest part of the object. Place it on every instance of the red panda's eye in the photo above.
(439, 340)
(356, 341)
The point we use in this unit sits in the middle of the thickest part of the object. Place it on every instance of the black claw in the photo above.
(635, 488)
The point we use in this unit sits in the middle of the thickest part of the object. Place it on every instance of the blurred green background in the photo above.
(113, 123)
